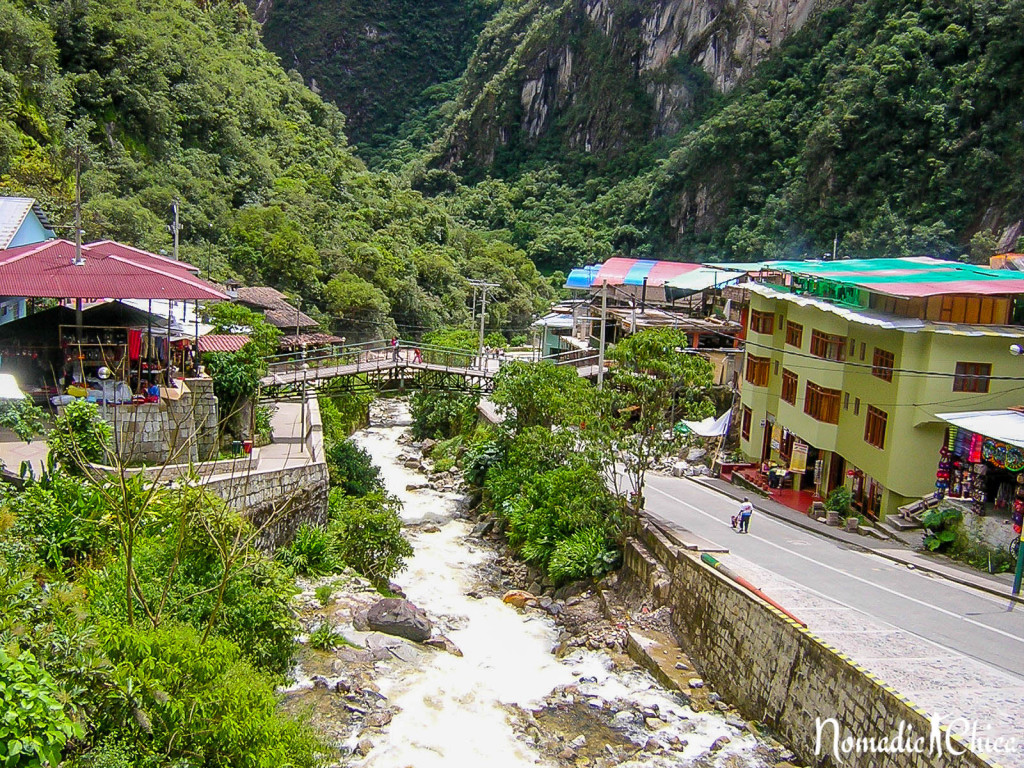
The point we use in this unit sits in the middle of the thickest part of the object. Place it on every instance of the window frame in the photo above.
(883, 363)
(755, 365)
(822, 403)
(972, 377)
(794, 334)
(790, 386)
(828, 346)
(875, 424)
(746, 417)
(760, 320)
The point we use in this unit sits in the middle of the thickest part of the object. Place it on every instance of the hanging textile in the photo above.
(134, 344)
(974, 453)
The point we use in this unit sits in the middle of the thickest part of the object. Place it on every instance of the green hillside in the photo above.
(170, 99)
(893, 127)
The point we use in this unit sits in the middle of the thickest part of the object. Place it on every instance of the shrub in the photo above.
(587, 552)
(311, 552)
(480, 456)
(324, 593)
(34, 727)
(79, 436)
(341, 415)
(262, 416)
(352, 469)
(62, 518)
(368, 534)
(441, 415)
(839, 500)
(326, 637)
(184, 697)
(23, 417)
(940, 528)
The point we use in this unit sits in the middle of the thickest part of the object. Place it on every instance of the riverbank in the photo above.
(547, 683)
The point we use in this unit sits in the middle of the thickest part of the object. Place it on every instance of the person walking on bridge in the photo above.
(395, 346)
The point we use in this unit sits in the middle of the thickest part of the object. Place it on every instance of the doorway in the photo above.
(836, 472)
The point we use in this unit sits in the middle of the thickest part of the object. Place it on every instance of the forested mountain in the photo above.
(178, 99)
(373, 58)
(696, 129)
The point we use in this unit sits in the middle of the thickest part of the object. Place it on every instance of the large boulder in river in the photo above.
(399, 617)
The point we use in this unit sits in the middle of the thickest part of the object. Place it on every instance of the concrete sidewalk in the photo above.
(998, 584)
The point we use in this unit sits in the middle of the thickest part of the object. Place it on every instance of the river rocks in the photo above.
(518, 598)
(412, 464)
(401, 618)
(416, 486)
(720, 742)
(427, 446)
(696, 683)
(363, 747)
(378, 718)
(482, 528)
(442, 643)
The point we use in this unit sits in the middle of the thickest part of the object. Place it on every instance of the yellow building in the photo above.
(847, 365)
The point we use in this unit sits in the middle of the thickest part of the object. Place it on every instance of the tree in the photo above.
(652, 371)
(540, 394)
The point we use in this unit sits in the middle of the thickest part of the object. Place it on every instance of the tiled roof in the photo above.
(309, 339)
(47, 270)
(222, 342)
(275, 307)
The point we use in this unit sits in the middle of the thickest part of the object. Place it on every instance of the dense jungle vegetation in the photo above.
(883, 126)
(169, 100)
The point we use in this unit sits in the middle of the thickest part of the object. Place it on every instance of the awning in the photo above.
(553, 321)
(1005, 426)
(699, 280)
(709, 427)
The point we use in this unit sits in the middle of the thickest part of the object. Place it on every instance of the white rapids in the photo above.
(452, 711)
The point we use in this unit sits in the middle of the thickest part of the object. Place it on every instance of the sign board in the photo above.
(798, 459)
(819, 471)
(776, 437)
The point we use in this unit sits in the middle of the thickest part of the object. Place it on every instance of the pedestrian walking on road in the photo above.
(746, 510)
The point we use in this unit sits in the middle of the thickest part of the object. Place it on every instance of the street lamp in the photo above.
(104, 374)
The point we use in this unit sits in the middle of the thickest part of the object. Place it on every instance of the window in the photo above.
(846, 401)
(794, 334)
(874, 427)
(789, 382)
(757, 370)
(883, 364)
(776, 367)
(853, 347)
(822, 404)
(856, 406)
(762, 322)
(745, 426)
(972, 377)
(828, 345)
(863, 349)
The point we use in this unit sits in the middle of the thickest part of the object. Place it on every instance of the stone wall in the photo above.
(179, 431)
(286, 497)
(774, 670)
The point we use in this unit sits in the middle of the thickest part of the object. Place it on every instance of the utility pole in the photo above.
(600, 343)
(483, 286)
(174, 228)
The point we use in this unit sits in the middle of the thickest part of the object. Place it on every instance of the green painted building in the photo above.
(847, 364)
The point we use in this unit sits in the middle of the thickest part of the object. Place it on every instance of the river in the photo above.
(508, 701)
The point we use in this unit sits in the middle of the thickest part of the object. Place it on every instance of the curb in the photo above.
(827, 533)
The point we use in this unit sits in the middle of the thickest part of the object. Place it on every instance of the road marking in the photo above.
(840, 571)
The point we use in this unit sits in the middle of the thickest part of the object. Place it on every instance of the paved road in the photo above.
(949, 648)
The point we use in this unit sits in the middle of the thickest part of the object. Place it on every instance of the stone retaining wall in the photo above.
(775, 671)
(287, 497)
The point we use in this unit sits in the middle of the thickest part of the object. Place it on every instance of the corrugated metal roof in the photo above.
(142, 257)
(619, 271)
(46, 270)
(222, 342)
(13, 211)
(909, 277)
(1007, 426)
(699, 280)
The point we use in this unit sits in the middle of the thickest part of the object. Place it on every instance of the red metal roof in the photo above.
(222, 342)
(47, 270)
(142, 257)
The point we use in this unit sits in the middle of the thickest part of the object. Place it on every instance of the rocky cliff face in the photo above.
(596, 75)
